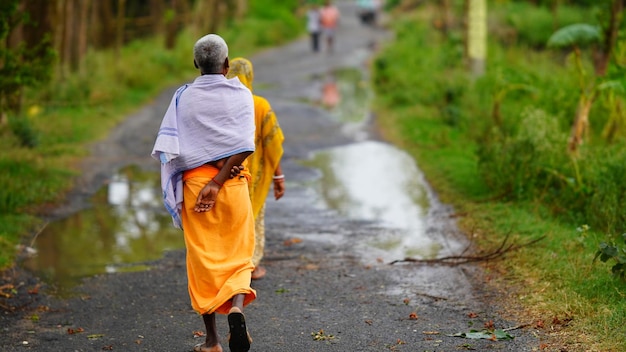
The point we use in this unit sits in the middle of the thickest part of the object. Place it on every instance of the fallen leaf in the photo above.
(108, 348)
(369, 322)
(406, 301)
(472, 315)
(74, 331)
(34, 290)
(311, 267)
(198, 333)
(95, 336)
(321, 336)
(494, 335)
(413, 316)
(489, 325)
(430, 332)
(292, 241)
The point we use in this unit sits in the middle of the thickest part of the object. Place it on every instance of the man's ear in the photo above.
(195, 64)
(226, 67)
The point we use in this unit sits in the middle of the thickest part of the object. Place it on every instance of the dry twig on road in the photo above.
(464, 259)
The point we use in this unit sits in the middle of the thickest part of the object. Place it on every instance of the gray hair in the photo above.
(210, 52)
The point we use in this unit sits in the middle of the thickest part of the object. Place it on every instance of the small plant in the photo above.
(583, 232)
(23, 129)
(611, 250)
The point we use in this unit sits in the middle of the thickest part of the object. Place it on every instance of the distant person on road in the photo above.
(206, 134)
(329, 18)
(264, 163)
(368, 11)
(313, 26)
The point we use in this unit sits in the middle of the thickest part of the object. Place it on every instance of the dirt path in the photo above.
(319, 294)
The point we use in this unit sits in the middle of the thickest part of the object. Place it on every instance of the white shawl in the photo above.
(207, 120)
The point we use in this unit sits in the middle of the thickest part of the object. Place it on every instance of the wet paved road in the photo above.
(326, 289)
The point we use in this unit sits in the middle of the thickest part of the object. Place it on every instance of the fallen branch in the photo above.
(517, 327)
(464, 259)
(436, 298)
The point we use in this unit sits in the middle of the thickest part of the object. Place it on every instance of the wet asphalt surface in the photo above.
(320, 293)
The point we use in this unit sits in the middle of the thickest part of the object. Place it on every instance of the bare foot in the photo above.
(258, 273)
(202, 347)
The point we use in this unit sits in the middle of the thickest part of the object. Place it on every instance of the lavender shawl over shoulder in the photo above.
(207, 120)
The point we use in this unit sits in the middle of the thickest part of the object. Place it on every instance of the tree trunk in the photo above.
(446, 21)
(108, 28)
(242, 9)
(157, 12)
(581, 123)
(82, 31)
(119, 27)
(182, 15)
(13, 96)
(216, 16)
(611, 32)
(207, 17)
(477, 36)
(170, 27)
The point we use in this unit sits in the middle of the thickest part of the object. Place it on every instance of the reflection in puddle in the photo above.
(124, 228)
(374, 181)
(346, 94)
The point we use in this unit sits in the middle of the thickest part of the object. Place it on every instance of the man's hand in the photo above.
(236, 170)
(206, 198)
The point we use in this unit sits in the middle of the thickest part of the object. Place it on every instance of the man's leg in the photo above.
(239, 340)
(212, 343)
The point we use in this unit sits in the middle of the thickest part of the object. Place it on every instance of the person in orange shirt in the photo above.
(329, 19)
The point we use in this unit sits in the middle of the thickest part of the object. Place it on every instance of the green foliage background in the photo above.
(510, 173)
(61, 118)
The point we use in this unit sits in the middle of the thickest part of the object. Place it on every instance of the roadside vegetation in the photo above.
(42, 143)
(501, 147)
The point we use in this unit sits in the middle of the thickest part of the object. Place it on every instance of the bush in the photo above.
(23, 129)
(607, 180)
(532, 25)
(527, 164)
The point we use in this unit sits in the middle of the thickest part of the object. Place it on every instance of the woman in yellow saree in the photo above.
(264, 163)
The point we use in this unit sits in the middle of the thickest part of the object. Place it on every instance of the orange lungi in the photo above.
(220, 242)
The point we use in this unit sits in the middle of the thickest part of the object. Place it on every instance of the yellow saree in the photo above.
(268, 138)
(220, 242)
(269, 150)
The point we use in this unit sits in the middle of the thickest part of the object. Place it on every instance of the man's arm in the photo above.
(208, 194)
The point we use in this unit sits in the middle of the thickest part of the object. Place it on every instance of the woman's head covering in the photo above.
(242, 68)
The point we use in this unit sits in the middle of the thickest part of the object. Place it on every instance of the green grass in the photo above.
(555, 281)
(61, 119)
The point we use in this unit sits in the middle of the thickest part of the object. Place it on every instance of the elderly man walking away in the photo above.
(206, 133)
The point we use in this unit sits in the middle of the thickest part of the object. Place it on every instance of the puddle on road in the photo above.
(373, 181)
(125, 228)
